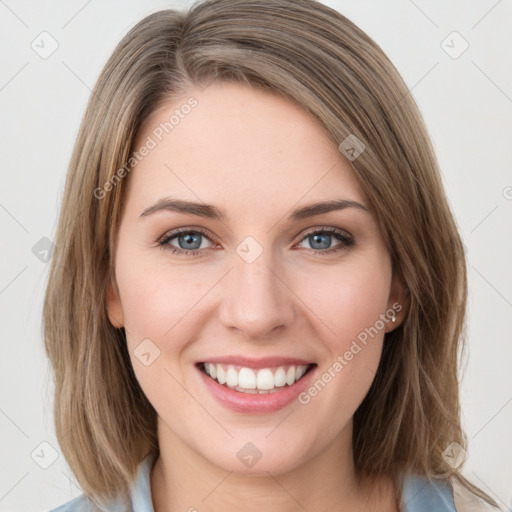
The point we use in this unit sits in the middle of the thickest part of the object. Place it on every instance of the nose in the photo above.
(256, 299)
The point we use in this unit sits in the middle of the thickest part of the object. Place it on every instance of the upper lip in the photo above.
(263, 362)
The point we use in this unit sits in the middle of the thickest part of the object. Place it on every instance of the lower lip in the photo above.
(256, 403)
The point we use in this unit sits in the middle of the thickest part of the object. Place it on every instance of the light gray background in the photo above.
(467, 105)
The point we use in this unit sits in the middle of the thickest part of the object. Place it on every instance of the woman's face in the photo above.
(258, 283)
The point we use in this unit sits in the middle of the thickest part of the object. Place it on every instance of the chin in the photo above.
(259, 456)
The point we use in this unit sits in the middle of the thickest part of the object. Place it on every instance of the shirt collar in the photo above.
(140, 492)
(419, 494)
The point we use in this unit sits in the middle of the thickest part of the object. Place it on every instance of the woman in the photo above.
(259, 289)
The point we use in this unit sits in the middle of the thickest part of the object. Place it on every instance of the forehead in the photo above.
(238, 143)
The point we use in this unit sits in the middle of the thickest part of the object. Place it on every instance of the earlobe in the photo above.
(397, 303)
(113, 305)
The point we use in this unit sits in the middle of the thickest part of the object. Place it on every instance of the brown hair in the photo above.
(318, 58)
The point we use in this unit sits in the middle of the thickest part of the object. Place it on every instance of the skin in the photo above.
(257, 156)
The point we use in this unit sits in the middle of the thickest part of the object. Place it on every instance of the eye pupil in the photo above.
(190, 239)
(319, 238)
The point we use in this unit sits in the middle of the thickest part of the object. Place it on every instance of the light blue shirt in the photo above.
(418, 495)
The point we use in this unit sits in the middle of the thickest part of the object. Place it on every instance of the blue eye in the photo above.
(190, 241)
(321, 239)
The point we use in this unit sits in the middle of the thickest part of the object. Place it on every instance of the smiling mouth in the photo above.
(255, 381)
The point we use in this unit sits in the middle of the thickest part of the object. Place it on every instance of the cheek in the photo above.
(347, 299)
(348, 304)
(156, 296)
(161, 303)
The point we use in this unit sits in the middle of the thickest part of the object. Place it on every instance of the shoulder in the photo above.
(83, 504)
(140, 495)
(79, 504)
(466, 501)
(421, 494)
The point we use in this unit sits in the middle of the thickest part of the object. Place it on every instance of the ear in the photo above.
(398, 302)
(113, 305)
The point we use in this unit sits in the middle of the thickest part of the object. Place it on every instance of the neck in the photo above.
(183, 480)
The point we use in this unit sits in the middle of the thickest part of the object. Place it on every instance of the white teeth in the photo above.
(290, 375)
(301, 370)
(246, 379)
(280, 377)
(255, 381)
(231, 377)
(265, 379)
(221, 374)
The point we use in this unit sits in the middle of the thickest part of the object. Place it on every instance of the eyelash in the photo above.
(347, 240)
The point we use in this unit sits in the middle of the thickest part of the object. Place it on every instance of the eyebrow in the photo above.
(212, 212)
